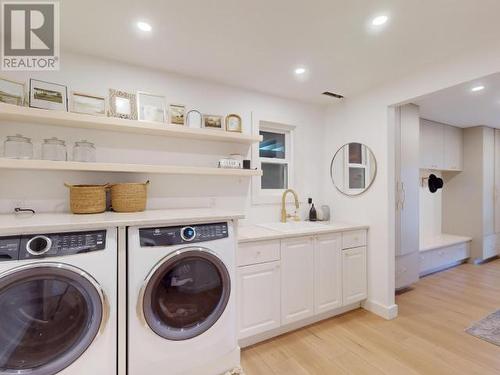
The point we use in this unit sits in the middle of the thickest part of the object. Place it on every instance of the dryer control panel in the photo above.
(51, 245)
(169, 236)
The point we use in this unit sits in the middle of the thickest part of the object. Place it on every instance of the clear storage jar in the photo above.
(84, 151)
(18, 147)
(54, 149)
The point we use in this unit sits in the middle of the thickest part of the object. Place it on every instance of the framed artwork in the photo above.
(48, 95)
(11, 92)
(194, 119)
(88, 104)
(177, 114)
(233, 123)
(122, 104)
(212, 122)
(151, 107)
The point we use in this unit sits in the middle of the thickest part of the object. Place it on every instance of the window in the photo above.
(275, 159)
(358, 167)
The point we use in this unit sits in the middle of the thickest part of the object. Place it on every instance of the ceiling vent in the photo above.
(333, 95)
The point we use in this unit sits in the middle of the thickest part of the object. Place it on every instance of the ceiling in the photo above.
(256, 44)
(459, 106)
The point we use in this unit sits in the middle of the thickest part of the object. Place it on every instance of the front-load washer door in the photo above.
(185, 294)
(49, 315)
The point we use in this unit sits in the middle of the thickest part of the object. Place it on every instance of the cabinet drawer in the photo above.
(258, 252)
(355, 238)
(426, 261)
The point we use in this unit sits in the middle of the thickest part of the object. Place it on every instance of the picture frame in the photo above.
(213, 122)
(122, 104)
(12, 92)
(151, 107)
(48, 95)
(88, 104)
(177, 114)
(234, 123)
(194, 119)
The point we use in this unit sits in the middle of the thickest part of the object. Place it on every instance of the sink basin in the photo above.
(293, 226)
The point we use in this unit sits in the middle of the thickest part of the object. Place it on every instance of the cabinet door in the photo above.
(453, 148)
(258, 289)
(354, 284)
(431, 145)
(327, 272)
(297, 279)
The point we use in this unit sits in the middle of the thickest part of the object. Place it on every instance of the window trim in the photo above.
(272, 196)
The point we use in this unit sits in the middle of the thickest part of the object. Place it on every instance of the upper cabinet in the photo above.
(441, 146)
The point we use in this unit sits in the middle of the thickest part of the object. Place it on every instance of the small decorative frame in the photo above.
(194, 119)
(122, 104)
(233, 123)
(88, 104)
(151, 107)
(12, 92)
(177, 114)
(213, 122)
(48, 95)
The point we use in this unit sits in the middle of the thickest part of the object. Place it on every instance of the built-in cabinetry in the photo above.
(286, 283)
(443, 252)
(441, 146)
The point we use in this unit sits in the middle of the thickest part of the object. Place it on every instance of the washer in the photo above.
(58, 296)
(181, 305)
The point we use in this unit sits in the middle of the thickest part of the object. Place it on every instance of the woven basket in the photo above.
(87, 199)
(130, 197)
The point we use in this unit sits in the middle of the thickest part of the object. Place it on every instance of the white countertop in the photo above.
(442, 240)
(26, 223)
(249, 233)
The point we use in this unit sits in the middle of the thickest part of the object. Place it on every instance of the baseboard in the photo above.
(386, 312)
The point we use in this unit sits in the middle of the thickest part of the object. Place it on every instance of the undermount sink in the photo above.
(293, 226)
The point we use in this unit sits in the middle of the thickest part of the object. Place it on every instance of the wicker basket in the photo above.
(87, 199)
(130, 197)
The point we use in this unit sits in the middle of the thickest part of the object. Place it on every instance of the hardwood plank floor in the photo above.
(427, 338)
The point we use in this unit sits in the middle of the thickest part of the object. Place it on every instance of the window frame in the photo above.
(365, 165)
(272, 196)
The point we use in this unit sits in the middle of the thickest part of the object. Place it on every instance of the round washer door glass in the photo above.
(50, 314)
(186, 294)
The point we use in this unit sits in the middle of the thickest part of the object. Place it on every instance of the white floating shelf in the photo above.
(48, 165)
(15, 113)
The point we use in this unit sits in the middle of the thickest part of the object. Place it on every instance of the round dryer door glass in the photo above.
(50, 314)
(186, 294)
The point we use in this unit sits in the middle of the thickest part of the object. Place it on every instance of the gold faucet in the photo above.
(284, 215)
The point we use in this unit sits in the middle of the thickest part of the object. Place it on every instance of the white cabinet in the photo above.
(327, 272)
(258, 289)
(297, 279)
(431, 145)
(354, 282)
(453, 148)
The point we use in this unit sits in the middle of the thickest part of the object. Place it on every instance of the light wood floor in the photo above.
(427, 338)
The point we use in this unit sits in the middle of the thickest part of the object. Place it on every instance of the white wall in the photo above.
(431, 210)
(45, 191)
(366, 119)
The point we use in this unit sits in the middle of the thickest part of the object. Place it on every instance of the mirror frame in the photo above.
(341, 149)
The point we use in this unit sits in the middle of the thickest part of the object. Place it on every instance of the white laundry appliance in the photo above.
(58, 296)
(181, 304)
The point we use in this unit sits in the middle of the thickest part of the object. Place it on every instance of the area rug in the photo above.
(487, 329)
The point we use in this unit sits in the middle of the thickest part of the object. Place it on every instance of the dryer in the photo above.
(58, 303)
(181, 305)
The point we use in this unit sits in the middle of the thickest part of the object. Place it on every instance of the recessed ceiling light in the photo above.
(477, 88)
(379, 20)
(300, 71)
(144, 26)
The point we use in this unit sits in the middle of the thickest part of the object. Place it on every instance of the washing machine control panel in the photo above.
(51, 245)
(168, 236)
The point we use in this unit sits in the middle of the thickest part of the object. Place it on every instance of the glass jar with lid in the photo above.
(84, 151)
(54, 149)
(18, 147)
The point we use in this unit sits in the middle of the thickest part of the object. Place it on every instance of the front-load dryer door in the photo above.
(49, 315)
(185, 294)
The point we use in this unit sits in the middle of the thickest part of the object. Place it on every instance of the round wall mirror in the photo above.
(353, 168)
